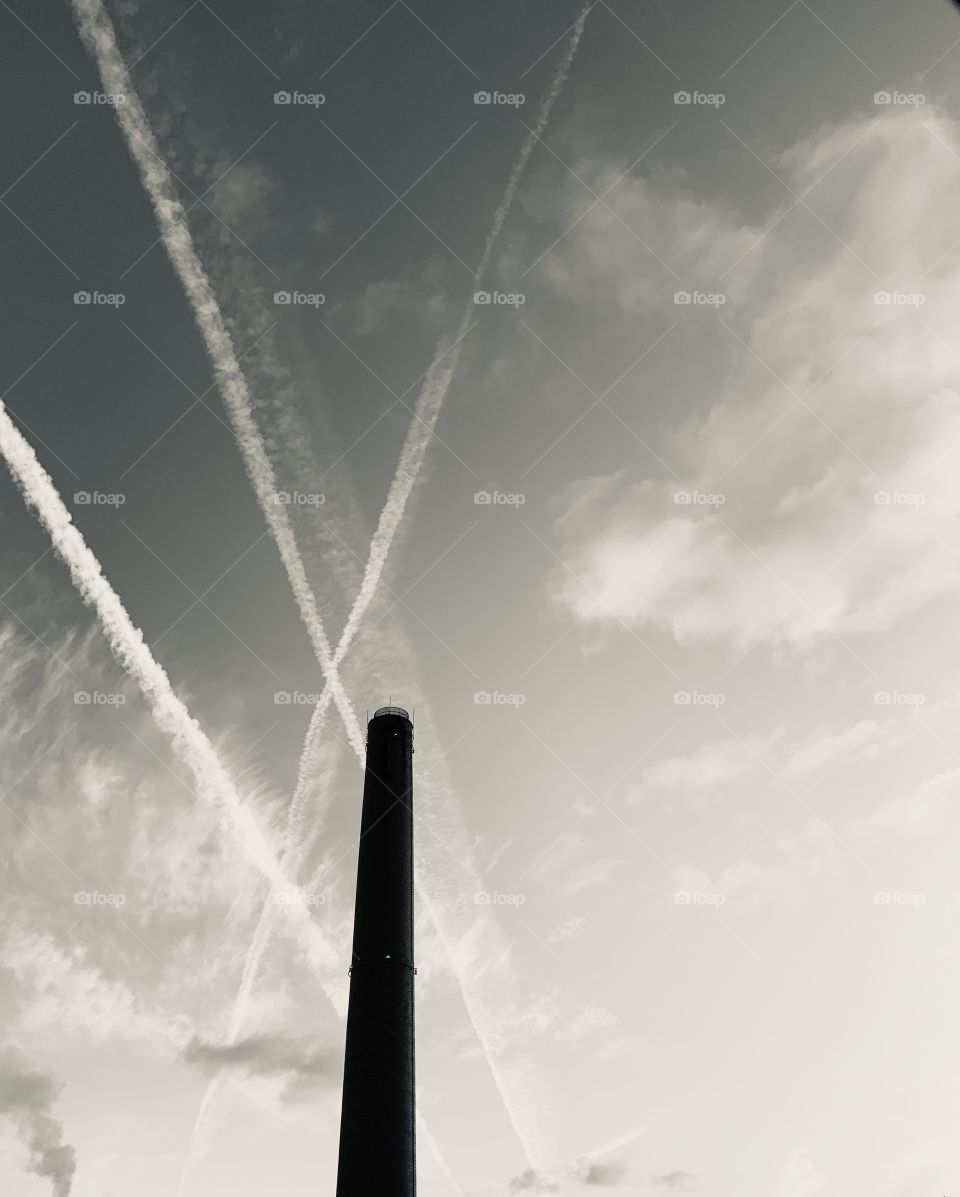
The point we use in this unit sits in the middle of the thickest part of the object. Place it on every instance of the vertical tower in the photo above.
(377, 1132)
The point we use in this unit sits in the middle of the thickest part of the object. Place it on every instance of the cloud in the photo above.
(66, 994)
(798, 1178)
(841, 398)
(535, 1182)
(706, 767)
(303, 1064)
(589, 1172)
(605, 1174)
(675, 1182)
(26, 1099)
(824, 749)
(916, 812)
(76, 776)
(804, 856)
(797, 762)
(570, 864)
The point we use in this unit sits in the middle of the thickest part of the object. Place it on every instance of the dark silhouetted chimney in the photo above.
(377, 1131)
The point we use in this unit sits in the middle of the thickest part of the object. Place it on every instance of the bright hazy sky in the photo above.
(686, 685)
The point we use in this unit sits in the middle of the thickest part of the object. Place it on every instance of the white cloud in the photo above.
(800, 858)
(800, 548)
(799, 1178)
(706, 767)
(822, 751)
(798, 761)
(65, 994)
(914, 813)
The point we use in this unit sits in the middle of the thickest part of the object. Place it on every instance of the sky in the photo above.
(584, 379)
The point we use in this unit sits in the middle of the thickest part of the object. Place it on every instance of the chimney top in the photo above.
(391, 711)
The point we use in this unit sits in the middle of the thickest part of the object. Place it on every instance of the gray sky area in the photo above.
(585, 379)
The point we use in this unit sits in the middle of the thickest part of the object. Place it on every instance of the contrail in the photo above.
(427, 409)
(442, 369)
(131, 652)
(97, 32)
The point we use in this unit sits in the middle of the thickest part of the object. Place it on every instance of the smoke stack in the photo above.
(377, 1134)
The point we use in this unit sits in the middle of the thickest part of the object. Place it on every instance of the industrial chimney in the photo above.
(377, 1131)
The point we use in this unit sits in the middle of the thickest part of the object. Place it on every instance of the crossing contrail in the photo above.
(131, 652)
(436, 385)
(97, 31)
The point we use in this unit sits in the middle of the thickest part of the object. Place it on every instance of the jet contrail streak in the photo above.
(432, 395)
(97, 31)
(131, 651)
(437, 382)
